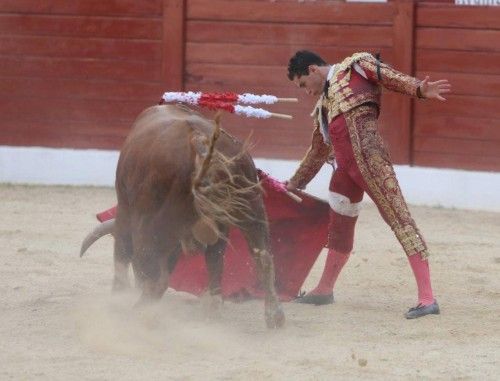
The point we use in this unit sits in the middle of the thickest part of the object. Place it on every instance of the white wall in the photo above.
(421, 186)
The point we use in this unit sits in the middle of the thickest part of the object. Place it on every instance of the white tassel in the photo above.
(189, 97)
(252, 112)
(252, 99)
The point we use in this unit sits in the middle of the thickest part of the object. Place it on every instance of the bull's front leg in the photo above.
(151, 263)
(122, 256)
(258, 240)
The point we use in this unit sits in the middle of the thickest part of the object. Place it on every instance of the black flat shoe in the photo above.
(420, 310)
(317, 300)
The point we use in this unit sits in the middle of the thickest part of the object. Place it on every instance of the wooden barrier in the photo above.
(76, 73)
(246, 45)
(461, 44)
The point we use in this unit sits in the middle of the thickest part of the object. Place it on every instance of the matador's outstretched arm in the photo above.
(394, 80)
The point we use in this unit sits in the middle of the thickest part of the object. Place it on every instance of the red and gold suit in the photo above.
(345, 120)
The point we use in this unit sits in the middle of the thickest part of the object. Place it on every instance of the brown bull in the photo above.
(180, 183)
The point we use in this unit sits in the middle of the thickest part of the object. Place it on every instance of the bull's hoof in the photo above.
(275, 317)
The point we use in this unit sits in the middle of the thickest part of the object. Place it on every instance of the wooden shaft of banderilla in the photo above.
(281, 116)
(288, 100)
(293, 196)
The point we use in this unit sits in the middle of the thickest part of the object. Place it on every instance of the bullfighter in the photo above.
(345, 130)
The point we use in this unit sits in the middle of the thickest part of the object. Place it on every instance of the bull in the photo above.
(181, 183)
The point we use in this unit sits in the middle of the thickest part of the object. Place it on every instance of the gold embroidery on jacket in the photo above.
(341, 97)
(315, 157)
(391, 79)
(375, 166)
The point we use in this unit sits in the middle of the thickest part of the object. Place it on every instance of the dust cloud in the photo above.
(59, 319)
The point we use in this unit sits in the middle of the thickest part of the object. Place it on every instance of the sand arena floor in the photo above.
(58, 319)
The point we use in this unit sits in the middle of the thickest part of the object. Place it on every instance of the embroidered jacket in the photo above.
(356, 80)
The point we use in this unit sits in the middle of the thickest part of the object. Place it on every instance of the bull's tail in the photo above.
(221, 194)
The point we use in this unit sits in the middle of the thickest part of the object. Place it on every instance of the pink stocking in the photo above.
(421, 271)
(335, 261)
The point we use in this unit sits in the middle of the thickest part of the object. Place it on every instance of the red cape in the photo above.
(298, 233)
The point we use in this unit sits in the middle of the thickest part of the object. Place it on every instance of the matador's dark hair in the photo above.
(299, 63)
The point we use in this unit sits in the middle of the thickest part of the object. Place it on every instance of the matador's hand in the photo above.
(434, 90)
(290, 186)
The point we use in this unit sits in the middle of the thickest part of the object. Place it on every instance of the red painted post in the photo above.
(174, 16)
(403, 48)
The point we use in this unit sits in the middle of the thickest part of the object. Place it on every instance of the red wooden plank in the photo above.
(234, 75)
(80, 89)
(83, 7)
(457, 61)
(60, 140)
(173, 44)
(80, 26)
(80, 127)
(459, 161)
(80, 47)
(79, 68)
(468, 84)
(267, 54)
(458, 39)
(458, 105)
(59, 133)
(280, 152)
(301, 12)
(457, 146)
(70, 110)
(260, 134)
(328, 35)
(457, 127)
(451, 16)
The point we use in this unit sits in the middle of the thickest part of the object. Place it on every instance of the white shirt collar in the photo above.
(331, 72)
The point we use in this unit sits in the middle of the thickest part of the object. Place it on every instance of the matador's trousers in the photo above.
(364, 165)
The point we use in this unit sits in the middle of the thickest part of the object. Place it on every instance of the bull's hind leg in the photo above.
(257, 235)
(214, 260)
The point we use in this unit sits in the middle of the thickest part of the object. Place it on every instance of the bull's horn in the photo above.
(99, 231)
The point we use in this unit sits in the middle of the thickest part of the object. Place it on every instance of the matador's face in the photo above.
(313, 82)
